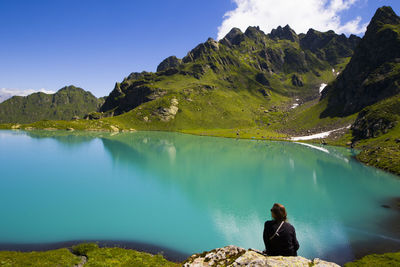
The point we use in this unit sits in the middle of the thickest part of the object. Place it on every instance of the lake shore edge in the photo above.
(365, 156)
(75, 253)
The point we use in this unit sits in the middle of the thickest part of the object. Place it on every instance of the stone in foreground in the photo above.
(236, 256)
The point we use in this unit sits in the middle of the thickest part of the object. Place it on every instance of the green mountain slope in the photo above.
(371, 76)
(68, 102)
(373, 73)
(376, 132)
(245, 80)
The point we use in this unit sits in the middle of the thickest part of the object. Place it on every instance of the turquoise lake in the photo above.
(190, 193)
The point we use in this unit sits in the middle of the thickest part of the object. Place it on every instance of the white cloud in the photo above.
(322, 15)
(24, 92)
(6, 93)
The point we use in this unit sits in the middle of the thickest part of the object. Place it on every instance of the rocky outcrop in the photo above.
(167, 114)
(286, 33)
(168, 63)
(296, 81)
(366, 127)
(377, 119)
(328, 45)
(234, 37)
(255, 34)
(236, 256)
(260, 77)
(373, 73)
(130, 94)
(201, 51)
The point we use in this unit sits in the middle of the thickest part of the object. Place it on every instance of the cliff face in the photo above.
(236, 256)
(373, 73)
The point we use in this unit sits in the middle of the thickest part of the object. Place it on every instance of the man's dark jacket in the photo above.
(284, 243)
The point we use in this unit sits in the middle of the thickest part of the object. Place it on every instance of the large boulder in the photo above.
(236, 256)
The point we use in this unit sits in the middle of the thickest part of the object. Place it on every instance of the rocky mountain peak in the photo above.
(70, 88)
(254, 32)
(212, 43)
(329, 45)
(233, 37)
(372, 73)
(169, 62)
(384, 15)
(137, 75)
(286, 33)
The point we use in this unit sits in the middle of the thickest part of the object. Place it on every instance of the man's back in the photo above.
(284, 243)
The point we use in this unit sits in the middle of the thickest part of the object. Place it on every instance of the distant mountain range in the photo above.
(68, 102)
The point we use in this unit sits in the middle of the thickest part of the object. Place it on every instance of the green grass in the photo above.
(377, 260)
(58, 257)
(124, 257)
(95, 257)
(382, 152)
(307, 117)
(246, 133)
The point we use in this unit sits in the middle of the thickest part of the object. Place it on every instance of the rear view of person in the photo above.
(279, 235)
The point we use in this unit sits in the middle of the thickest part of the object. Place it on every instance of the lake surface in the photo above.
(190, 193)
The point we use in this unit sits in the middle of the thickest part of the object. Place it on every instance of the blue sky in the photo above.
(47, 44)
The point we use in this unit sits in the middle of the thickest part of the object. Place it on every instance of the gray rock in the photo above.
(236, 256)
(167, 114)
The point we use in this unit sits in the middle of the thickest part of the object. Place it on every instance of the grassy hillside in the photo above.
(59, 257)
(373, 73)
(376, 133)
(88, 254)
(387, 259)
(246, 80)
(68, 102)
